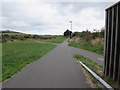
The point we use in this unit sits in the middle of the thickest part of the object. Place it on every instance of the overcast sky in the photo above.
(52, 17)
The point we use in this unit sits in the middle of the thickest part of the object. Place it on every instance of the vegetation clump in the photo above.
(92, 41)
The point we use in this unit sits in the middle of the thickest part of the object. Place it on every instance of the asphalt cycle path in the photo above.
(56, 69)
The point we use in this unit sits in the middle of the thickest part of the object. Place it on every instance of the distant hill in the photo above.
(7, 31)
(11, 32)
(10, 36)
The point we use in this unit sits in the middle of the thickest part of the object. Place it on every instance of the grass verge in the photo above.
(84, 45)
(16, 55)
(54, 40)
(97, 68)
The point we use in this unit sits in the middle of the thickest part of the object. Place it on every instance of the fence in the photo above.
(112, 42)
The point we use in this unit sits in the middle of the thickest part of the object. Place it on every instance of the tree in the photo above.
(68, 33)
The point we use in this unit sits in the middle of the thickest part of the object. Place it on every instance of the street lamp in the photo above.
(71, 25)
(71, 28)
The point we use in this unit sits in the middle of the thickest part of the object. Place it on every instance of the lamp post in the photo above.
(71, 27)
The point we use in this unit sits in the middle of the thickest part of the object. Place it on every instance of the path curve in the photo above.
(57, 69)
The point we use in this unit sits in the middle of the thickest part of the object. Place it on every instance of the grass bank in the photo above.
(82, 44)
(17, 55)
(97, 68)
(55, 40)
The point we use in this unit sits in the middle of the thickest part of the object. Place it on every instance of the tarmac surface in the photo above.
(56, 69)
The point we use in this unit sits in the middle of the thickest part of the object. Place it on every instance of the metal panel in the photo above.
(118, 80)
(112, 42)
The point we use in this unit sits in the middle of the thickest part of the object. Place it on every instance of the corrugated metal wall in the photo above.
(112, 42)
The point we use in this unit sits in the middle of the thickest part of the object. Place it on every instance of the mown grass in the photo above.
(17, 55)
(97, 68)
(55, 40)
(99, 49)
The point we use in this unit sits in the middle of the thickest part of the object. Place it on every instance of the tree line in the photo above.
(86, 35)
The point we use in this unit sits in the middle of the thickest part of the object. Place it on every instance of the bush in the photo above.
(67, 33)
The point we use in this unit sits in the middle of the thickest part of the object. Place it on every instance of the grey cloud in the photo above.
(13, 14)
(78, 6)
(15, 17)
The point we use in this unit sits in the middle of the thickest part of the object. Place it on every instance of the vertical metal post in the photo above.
(113, 30)
(108, 42)
(118, 80)
(116, 56)
(105, 42)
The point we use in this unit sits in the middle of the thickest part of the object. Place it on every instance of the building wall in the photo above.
(112, 42)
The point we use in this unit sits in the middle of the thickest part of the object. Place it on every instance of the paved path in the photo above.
(57, 69)
(95, 57)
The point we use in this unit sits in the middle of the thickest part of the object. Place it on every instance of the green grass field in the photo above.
(97, 68)
(17, 55)
(99, 49)
(54, 40)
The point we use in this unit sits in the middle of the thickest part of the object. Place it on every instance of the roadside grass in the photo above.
(85, 45)
(16, 55)
(55, 40)
(97, 68)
